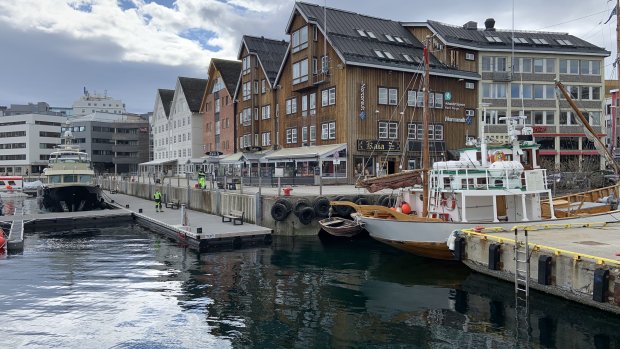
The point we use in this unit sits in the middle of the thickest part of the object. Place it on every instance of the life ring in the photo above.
(448, 202)
(499, 156)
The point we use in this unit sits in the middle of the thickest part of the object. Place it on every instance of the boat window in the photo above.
(1, 182)
(69, 178)
(54, 179)
(11, 182)
(85, 178)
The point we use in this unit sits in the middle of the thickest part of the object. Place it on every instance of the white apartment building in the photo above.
(88, 104)
(176, 127)
(26, 142)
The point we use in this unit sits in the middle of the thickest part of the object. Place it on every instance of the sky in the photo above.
(50, 50)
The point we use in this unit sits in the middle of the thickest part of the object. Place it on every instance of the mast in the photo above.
(598, 144)
(425, 144)
(614, 103)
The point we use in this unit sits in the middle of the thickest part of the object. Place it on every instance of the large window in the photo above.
(388, 95)
(245, 65)
(569, 66)
(388, 130)
(328, 97)
(291, 106)
(411, 98)
(493, 91)
(299, 39)
(328, 130)
(291, 135)
(247, 90)
(590, 68)
(495, 117)
(416, 131)
(568, 118)
(266, 138)
(300, 71)
(265, 112)
(544, 65)
(312, 102)
(522, 65)
(494, 64)
(543, 118)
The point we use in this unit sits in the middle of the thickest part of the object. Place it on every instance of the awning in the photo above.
(314, 152)
(235, 158)
(158, 162)
(197, 161)
(241, 157)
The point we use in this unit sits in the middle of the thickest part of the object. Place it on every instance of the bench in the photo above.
(234, 216)
(173, 204)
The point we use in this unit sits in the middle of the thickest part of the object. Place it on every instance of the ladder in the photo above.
(522, 256)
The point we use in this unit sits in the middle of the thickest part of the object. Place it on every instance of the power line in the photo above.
(573, 20)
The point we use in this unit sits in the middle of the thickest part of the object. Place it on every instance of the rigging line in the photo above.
(573, 20)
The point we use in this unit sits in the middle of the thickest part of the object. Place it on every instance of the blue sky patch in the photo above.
(201, 36)
(88, 8)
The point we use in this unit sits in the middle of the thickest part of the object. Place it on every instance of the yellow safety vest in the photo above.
(157, 195)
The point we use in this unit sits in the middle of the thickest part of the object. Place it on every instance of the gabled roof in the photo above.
(229, 70)
(166, 99)
(193, 89)
(470, 36)
(355, 49)
(270, 54)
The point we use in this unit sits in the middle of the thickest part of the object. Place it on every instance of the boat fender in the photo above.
(362, 201)
(279, 211)
(286, 203)
(342, 210)
(300, 205)
(306, 215)
(321, 207)
(452, 239)
(405, 208)
(381, 200)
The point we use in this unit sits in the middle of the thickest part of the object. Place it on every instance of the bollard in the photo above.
(544, 270)
(112, 201)
(127, 206)
(139, 210)
(459, 248)
(198, 230)
(601, 285)
(494, 256)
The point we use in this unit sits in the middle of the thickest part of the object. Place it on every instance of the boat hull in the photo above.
(72, 198)
(428, 239)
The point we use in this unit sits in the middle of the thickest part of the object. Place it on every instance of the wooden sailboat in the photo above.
(488, 186)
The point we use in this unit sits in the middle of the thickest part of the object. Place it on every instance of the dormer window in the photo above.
(299, 39)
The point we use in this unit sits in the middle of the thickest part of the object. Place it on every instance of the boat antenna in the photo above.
(425, 153)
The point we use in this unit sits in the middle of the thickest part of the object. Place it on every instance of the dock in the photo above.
(578, 262)
(201, 231)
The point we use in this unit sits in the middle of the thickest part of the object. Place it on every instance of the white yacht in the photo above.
(70, 180)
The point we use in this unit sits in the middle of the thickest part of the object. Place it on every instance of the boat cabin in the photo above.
(9, 183)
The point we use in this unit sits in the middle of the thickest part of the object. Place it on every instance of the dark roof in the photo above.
(342, 32)
(229, 70)
(193, 89)
(166, 99)
(477, 38)
(270, 53)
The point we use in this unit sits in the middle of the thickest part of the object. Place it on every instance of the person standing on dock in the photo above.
(157, 197)
(201, 178)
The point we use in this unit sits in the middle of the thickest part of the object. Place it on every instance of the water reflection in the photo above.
(126, 288)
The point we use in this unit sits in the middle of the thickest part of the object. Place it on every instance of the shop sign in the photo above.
(453, 105)
(447, 96)
(460, 120)
(539, 129)
(363, 100)
(377, 145)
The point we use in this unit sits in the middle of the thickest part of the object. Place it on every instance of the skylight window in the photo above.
(408, 58)
(564, 42)
(519, 40)
(361, 32)
(388, 55)
(398, 39)
(379, 54)
(540, 41)
(389, 37)
(493, 39)
(371, 34)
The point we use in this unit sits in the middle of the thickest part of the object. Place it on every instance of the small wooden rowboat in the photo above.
(341, 227)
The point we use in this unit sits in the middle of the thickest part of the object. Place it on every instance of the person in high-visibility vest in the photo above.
(157, 197)
(201, 179)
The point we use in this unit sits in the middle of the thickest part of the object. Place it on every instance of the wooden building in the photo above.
(350, 97)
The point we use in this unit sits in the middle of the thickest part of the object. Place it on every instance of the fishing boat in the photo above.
(11, 186)
(70, 180)
(490, 184)
(341, 227)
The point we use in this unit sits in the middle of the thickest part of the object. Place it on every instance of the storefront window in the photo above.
(364, 166)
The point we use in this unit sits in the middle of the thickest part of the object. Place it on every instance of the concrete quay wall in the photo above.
(571, 277)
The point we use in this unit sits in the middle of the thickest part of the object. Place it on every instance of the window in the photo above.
(371, 35)
(519, 40)
(361, 32)
(263, 86)
(304, 135)
(590, 93)
(291, 135)
(299, 39)
(255, 113)
(328, 97)
(569, 66)
(389, 37)
(568, 118)
(493, 64)
(304, 105)
(315, 33)
(388, 55)
(411, 98)
(217, 106)
(522, 65)
(439, 100)
(379, 54)
(411, 131)
(564, 42)
(328, 130)
(388, 95)
(408, 58)
(315, 66)
(469, 85)
(324, 64)
(245, 65)
(266, 138)
(469, 56)
(312, 133)
(590, 68)
(291, 106)
(399, 39)
(494, 91)
(300, 71)
(265, 112)
(495, 117)
(542, 66)
(247, 90)
(312, 104)
(540, 41)
(436, 132)
(542, 118)
(388, 130)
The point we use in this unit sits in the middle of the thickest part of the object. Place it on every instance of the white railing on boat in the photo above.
(489, 179)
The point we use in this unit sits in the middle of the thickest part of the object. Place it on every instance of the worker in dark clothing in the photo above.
(157, 197)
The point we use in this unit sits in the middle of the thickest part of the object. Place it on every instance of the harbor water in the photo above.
(126, 287)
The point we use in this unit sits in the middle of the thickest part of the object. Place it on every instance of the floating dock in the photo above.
(578, 262)
(201, 231)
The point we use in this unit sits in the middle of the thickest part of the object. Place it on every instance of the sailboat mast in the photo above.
(425, 145)
(586, 124)
(614, 103)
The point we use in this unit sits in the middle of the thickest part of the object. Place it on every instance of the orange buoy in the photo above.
(405, 208)
(2, 240)
(9, 187)
(478, 228)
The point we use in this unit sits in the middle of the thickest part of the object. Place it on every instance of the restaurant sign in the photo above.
(377, 145)
(363, 100)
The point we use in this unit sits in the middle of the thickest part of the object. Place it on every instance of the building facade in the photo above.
(218, 107)
(518, 72)
(350, 97)
(92, 103)
(116, 143)
(26, 142)
(176, 126)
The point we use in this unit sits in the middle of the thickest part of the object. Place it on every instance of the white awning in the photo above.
(158, 162)
(314, 152)
(235, 158)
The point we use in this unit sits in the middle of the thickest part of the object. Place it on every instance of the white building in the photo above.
(88, 104)
(176, 127)
(26, 142)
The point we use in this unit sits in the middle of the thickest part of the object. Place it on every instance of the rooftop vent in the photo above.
(471, 25)
(489, 24)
